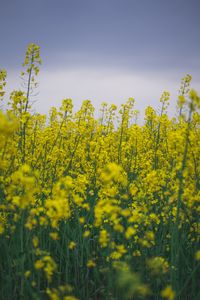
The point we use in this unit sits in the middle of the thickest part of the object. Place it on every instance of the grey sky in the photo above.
(104, 50)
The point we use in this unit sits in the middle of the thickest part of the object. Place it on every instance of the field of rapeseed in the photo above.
(98, 208)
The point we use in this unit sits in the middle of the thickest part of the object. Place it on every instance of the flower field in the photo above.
(98, 208)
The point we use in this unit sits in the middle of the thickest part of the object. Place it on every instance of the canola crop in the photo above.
(98, 208)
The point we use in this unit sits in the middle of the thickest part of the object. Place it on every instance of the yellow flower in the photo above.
(168, 293)
(72, 245)
(54, 236)
(130, 232)
(137, 253)
(103, 238)
(1, 229)
(27, 273)
(39, 264)
(197, 255)
(118, 227)
(33, 283)
(35, 241)
(81, 220)
(86, 233)
(50, 266)
(91, 263)
(158, 265)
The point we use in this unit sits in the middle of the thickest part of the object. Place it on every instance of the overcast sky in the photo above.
(103, 50)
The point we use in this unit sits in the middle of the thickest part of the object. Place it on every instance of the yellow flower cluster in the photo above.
(47, 264)
(3, 75)
(103, 205)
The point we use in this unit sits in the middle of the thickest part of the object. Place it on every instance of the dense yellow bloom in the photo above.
(91, 200)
